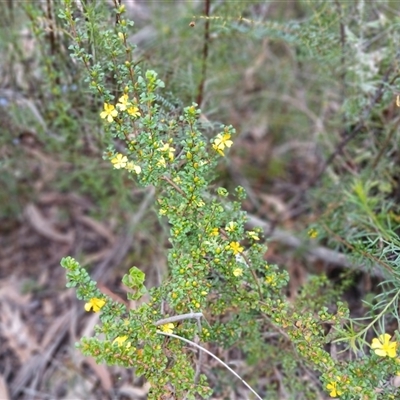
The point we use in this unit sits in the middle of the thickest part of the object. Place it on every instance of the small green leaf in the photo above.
(134, 280)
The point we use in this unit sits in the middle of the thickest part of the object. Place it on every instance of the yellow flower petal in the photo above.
(94, 304)
(109, 112)
(120, 340)
(119, 161)
(168, 328)
(383, 347)
(235, 247)
(332, 387)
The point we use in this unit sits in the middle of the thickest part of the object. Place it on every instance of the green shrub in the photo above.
(219, 289)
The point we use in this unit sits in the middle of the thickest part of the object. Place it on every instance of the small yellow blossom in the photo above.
(230, 227)
(235, 247)
(133, 111)
(253, 235)
(221, 141)
(238, 272)
(383, 347)
(168, 328)
(332, 387)
(130, 166)
(94, 304)
(124, 102)
(120, 339)
(270, 280)
(312, 233)
(161, 162)
(109, 112)
(169, 149)
(119, 161)
(214, 232)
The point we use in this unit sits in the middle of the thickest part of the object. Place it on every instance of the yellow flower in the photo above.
(214, 232)
(130, 166)
(120, 339)
(383, 347)
(109, 112)
(134, 111)
(161, 162)
(230, 227)
(235, 247)
(332, 387)
(120, 161)
(253, 235)
(94, 304)
(238, 272)
(270, 280)
(312, 233)
(124, 102)
(171, 150)
(168, 328)
(221, 141)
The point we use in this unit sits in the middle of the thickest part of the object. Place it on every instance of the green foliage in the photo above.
(135, 281)
(209, 268)
(216, 267)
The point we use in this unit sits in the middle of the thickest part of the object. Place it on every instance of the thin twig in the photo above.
(200, 93)
(343, 55)
(174, 185)
(51, 32)
(176, 318)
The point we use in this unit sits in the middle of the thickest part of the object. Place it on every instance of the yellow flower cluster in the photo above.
(170, 150)
(166, 148)
(110, 112)
(121, 162)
